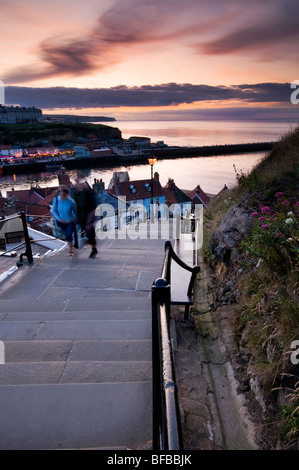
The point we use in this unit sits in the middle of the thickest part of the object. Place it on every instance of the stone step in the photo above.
(19, 373)
(30, 305)
(62, 351)
(43, 280)
(77, 337)
(118, 302)
(74, 315)
(75, 416)
(115, 258)
(76, 330)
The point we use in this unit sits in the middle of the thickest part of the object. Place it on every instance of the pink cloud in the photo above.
(149, 23)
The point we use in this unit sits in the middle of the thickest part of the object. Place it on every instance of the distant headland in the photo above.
(76, 118)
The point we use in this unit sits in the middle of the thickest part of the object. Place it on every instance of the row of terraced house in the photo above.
(36, 201)
(20, 114)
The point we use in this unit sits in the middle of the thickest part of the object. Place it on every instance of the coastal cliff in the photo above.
(56, 133)
(251, 255)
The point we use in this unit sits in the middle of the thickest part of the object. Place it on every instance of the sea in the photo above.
(211, 173)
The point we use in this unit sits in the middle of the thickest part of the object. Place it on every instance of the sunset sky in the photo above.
(152, 59)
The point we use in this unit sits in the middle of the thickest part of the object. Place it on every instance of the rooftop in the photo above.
(174, 195)
(138, 189)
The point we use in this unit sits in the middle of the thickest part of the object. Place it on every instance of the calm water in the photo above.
(211, 173)
(192, 133)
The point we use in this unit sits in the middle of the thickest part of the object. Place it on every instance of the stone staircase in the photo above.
(77, 336)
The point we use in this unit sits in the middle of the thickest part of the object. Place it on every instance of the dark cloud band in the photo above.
(170, 94)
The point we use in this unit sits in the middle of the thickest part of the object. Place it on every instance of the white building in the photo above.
(81, 151)
(15, 152)
(19, 114)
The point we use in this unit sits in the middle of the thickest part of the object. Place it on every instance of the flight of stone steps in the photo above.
(77, 336)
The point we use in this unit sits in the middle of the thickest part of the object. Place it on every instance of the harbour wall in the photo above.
(117, 159)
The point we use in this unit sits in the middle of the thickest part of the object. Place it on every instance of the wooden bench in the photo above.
(181, 278)
(14, 237)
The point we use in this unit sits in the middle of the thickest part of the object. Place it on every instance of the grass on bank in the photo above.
(49, 126)
(56, 133)
(266, 321)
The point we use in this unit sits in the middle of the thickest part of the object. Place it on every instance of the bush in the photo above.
(249, 181)
(275, 235)
(290, 413)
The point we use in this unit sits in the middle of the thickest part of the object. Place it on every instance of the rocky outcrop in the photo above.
(224, 242)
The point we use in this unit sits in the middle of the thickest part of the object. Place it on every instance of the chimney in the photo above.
(170, 184)
(63, 178)
(98, 185)
(156, 177)
(116, 182)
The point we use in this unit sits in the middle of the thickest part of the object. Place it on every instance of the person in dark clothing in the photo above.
(91, 233)
(86, 207)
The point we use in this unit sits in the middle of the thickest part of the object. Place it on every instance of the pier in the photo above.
(121, 159)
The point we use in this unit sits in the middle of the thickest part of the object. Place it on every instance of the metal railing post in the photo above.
(28, 251)
(172, 436)
(160, 295)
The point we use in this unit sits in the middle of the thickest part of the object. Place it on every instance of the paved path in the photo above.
(214, 411)
(77, 336)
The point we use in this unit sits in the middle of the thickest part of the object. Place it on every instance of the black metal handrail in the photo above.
(166, 422)
(166, 270)
(167, 433)
(28, 250)
(27, 241)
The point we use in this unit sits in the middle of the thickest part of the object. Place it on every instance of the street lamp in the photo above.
(152, 161)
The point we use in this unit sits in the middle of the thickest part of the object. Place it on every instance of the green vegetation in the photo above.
(266, 314)
(56, 133)
(48, 126)
(76, 118)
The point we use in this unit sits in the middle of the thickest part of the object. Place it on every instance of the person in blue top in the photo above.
(65, 212)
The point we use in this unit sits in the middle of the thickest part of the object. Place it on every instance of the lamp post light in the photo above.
(152, 161)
